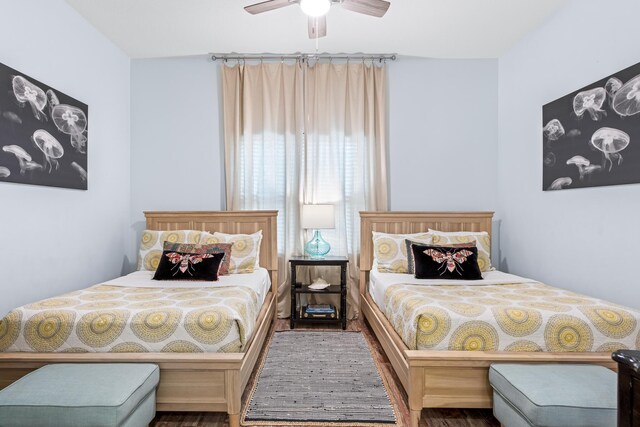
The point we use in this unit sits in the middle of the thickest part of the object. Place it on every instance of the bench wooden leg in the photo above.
(234, 420)
(415, 392)
(415, 417)
(234, 397)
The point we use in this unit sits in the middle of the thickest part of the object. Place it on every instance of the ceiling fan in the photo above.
(317, 10)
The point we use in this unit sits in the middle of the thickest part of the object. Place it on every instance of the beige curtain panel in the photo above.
(300, 133)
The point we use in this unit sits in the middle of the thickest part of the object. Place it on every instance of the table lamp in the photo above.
(316, 217)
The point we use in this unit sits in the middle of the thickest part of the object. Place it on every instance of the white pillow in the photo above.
(390, 250)
(482, 239)
(245, 252)
(151, 245)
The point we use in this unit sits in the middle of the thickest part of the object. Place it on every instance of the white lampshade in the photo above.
(318, 216)
(315, 8)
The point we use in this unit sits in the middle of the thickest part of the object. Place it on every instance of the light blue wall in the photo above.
(442, 146)
(55, 240)
(176, 157)
(446, 117)
(584, 239)
(443, 134)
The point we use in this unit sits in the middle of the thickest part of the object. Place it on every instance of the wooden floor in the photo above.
(430, 417)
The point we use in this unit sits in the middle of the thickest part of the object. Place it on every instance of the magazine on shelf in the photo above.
(305, 312)
(320, 308)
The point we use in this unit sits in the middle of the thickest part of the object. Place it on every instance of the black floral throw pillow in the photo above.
(188, 266)
(442, 262)
(410, 262)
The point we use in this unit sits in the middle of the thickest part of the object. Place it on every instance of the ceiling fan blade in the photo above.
(317, 27)
(375, 8)
(268, 5)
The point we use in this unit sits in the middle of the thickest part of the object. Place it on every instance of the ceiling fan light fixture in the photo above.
(315, 8)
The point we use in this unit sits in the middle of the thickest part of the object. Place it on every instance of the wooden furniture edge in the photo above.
(485, 358)
(203, 382)
(253, 351)
(393, 349)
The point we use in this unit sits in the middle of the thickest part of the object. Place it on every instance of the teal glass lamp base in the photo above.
(317, 247)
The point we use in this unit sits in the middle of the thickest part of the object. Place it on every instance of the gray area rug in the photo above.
(319, 377)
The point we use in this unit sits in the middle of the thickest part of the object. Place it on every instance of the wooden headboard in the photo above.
(413, 222)
(232, 222)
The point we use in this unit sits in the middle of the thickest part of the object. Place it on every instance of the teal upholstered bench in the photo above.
(558, 395)
(82, 395)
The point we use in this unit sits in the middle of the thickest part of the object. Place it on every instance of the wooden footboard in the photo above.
(460, 379)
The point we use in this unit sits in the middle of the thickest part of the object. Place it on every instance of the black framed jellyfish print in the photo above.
(591, 137)
(43, 133)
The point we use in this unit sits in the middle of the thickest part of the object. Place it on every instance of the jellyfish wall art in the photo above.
(591, 137)
(43, 133)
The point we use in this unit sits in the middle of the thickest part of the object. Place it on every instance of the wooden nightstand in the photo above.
(299, 288)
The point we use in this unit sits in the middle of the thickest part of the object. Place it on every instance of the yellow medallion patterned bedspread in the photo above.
(511, 317)
(106, 318)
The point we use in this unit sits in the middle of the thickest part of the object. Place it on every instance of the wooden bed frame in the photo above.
(207, 382)
(441, 379)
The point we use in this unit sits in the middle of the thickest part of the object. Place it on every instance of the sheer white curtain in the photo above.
(305, 133)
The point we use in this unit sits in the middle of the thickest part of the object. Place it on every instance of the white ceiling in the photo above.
(427, 28)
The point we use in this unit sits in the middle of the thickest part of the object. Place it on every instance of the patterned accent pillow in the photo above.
(446, 262)
(410, 258)
(199, 266)
(152, 241)
(482, 239)
(245, 252)
(390, 250)
(213, 248)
